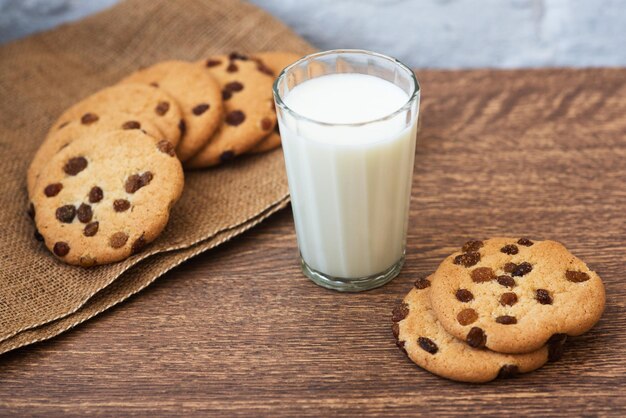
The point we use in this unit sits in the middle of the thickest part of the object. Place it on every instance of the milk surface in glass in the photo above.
(349, 180)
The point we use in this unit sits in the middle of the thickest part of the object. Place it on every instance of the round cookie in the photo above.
(422, 338)
(267, 144)
(198, 94)
(144, 102)
(88, 124)
(248, 109)
(105, 196)
(511, 295)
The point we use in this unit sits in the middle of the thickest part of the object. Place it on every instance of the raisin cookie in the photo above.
(89, 123)
(144, 102)
(511, 295)
(249, 114)
(420, 335)
(198, 95)
(105, 196)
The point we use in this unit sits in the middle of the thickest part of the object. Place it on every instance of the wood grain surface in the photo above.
(239, 330)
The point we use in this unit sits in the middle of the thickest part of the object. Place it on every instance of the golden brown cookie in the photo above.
(248, 109)
(421, 337)
(144, 102)
(105, 196)
(511, 295)
(88, 124)
(198, 95)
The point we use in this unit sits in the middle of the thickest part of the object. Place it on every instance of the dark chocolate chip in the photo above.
(509, 267)
(135, 182)
(506, 281)
(483, 274)
(543, 297)
(556, 346)
(95, 194)
(52, 189)
(233, 86)
(227, 156)
(89, 118)
(75, 165)
(162, 108)
(213, 63)
(427, 345)
(66, 213)
(467, 259)
(400, 311)
(266, 124)
(464, 295)
(131, 124)
(234, 118)
(232, 68)
(467, 316)
(166, 147)
(200, 109)
(121, 205)
(506, 320)
(476, 338)
(510, 249)
(508, 299)
(118, 239)
(84, 213)
(91, 229)
(237, 56)
(421, 283)
(86, 261)
(522, 269)
(525, 242)
(508, 370)
(264, 69)
(226, 94)
(472, 245)
(576, 276)
(61, 248)
(138, 245)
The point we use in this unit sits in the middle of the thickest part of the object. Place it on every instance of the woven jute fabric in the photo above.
(40, 76)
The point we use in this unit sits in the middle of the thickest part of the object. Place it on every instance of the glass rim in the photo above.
(412, 97)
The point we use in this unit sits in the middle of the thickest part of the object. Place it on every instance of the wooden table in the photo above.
(240, 331)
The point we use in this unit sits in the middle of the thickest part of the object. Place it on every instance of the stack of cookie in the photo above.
(106, 176)
(497, 308)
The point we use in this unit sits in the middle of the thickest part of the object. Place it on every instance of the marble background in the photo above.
(423, 33)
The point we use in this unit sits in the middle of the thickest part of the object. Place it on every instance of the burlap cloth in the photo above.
(41, 75)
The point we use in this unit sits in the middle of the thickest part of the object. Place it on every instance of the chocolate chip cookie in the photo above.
(144, 102)
(86, 124)
(512, 294)
(105, 196)
(198, 95)
(419, 335)
(248, 109)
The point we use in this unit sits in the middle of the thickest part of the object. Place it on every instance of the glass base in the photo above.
(352, 285)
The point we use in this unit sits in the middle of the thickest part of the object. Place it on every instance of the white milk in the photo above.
(350, 185)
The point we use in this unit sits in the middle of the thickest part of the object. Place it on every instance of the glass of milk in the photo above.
(348, 122)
